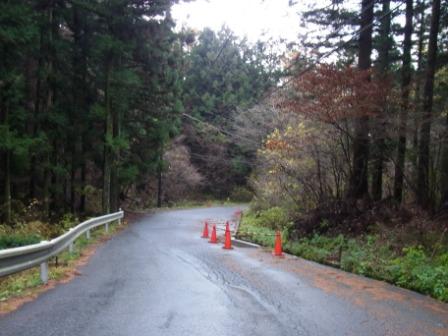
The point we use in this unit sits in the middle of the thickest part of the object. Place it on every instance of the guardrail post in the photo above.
(106, 227)
(71, 246)
(119, 219)
(88, 234)
(44, 272)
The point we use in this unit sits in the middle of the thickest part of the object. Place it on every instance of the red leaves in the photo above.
(329, 94)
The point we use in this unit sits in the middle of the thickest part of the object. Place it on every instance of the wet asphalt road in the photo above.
(158, 277)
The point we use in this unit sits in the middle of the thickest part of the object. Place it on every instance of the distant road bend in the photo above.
(158, 277)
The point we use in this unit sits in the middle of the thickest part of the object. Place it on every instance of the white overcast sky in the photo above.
(254, 19)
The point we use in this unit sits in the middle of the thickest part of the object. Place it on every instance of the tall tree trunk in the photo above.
(115, 185)
(160, 178)
(405, 89)
(82, 200)
(108, 134)
(114, 188)
(73, 184)
(7, 171)
(47, 184)
(79, 103)
(36, 112)
(33, 87)
(7, 196)
(378, 147)
(56, 183)
(159, 188)
(48, 106)
(418, 83)
(423, 194)
(444, 170)
(358, 187)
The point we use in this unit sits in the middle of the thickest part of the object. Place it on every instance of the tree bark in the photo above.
(108, 134)
(48, 106)
(115, 185)
(358, 187)
(79, 104)
(38, 102)
(8, 211)
(444, 170)
(418, 83)
(380, 120)
(82, 201)
(405, 89)
(159, 188)
(423, 195)
(7, 167)
(159, 178)
(33, 90)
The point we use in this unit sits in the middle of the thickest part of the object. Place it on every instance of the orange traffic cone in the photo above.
(228, 240)
(213, 239)
(205, 232)
(278, 245)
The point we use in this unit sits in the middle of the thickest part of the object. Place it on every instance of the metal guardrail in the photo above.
(17, 259)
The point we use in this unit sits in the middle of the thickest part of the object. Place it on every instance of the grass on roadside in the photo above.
(201, 204)
(373, 255)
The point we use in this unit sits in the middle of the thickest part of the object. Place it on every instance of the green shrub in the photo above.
(415, 270)
(274, 218)
(255, 233)
(44, 230)
(68, 221)
(33, 232)
(16, 240)
(241, 194)
(317, 248)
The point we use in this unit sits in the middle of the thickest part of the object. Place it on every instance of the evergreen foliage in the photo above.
(90, 90)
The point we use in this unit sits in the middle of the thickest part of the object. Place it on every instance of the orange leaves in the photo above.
(329, 94)
(276, 145)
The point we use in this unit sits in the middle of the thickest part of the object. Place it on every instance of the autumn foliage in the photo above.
(330, 94)
(309, 158)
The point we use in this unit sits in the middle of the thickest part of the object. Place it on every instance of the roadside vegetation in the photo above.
(203, 204)
(25, 233)
(403, 255)
(17, 287)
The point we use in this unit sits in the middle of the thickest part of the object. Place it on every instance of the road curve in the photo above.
(158, 277)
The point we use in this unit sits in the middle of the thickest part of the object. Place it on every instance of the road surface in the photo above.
(158, 277)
